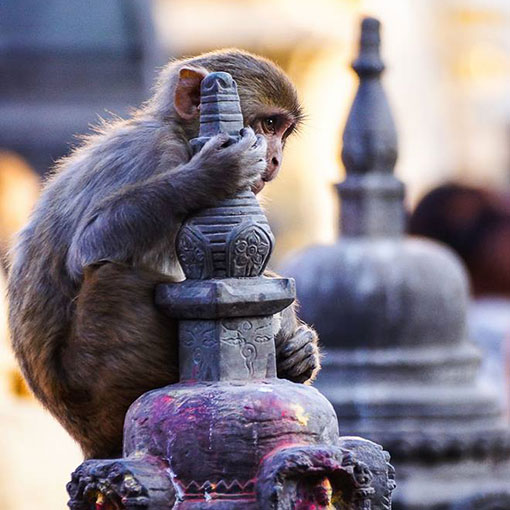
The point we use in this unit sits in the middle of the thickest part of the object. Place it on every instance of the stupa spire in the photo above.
(372, 197)
(220, 109)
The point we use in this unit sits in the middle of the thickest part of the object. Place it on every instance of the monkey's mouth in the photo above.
(258, 186)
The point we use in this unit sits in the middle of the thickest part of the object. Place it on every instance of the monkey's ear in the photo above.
(187, 91)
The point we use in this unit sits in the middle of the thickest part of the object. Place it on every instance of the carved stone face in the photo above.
(314, 494)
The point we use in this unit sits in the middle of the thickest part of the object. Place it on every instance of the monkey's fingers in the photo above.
(303, 335)
(251, 141)
(247, 133)
(218, 142)
(297, 357)
(260, 143)
(302, 371)
(248, 139)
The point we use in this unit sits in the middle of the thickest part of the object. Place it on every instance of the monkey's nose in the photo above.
(273, 165)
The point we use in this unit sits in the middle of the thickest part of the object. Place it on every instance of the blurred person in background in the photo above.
(475, 223)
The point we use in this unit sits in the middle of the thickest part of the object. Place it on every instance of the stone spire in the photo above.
(391, 315)
(220, 109)
(372, 197)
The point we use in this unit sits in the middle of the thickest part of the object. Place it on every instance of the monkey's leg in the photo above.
(121, 347)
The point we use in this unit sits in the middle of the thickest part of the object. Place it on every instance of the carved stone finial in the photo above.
(233, 239)
(370, 138)
(220, 109)
(372, 197)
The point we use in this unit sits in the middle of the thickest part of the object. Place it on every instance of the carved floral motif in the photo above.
(192, 254)
(249, 252)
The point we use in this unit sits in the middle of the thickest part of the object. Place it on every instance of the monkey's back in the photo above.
(42, 294)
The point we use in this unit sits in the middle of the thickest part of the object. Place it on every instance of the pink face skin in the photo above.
(275, 126)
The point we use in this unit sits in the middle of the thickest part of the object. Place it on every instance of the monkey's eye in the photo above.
(269, 124)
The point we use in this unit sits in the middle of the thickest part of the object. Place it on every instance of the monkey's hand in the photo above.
(226, 168)
(297, 357)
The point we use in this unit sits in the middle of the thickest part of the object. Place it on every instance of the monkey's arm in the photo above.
(128, 223)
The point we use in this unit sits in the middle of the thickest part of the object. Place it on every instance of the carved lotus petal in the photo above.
(250, 249)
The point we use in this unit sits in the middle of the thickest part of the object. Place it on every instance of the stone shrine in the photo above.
(391, 316)
(230, 435)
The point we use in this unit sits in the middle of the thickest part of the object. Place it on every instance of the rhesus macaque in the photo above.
(81, 286)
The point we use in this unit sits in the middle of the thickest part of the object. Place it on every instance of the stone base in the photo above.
(355, 472)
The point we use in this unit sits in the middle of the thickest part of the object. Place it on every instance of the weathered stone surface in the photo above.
(209, 349)
(391, 315)
(226, 297)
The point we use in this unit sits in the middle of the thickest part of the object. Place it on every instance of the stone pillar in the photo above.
(391, 315)
(230, 435)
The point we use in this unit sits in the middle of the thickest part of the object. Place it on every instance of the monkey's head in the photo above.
(269, 100)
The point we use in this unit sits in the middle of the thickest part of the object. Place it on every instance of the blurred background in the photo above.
(66, 63)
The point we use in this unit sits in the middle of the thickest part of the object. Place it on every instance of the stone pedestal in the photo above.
(230, 435)
(391, 315)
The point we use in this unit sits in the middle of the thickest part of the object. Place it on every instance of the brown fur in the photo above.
(83, 323)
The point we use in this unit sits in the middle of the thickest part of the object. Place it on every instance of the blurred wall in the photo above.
(66, 63)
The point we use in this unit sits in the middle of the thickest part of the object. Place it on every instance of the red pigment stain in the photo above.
(296, 412)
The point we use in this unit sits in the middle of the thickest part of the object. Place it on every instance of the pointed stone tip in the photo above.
(218, 81)
(220, 108)
(370, 140)
(370, 26)
(369, 60)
